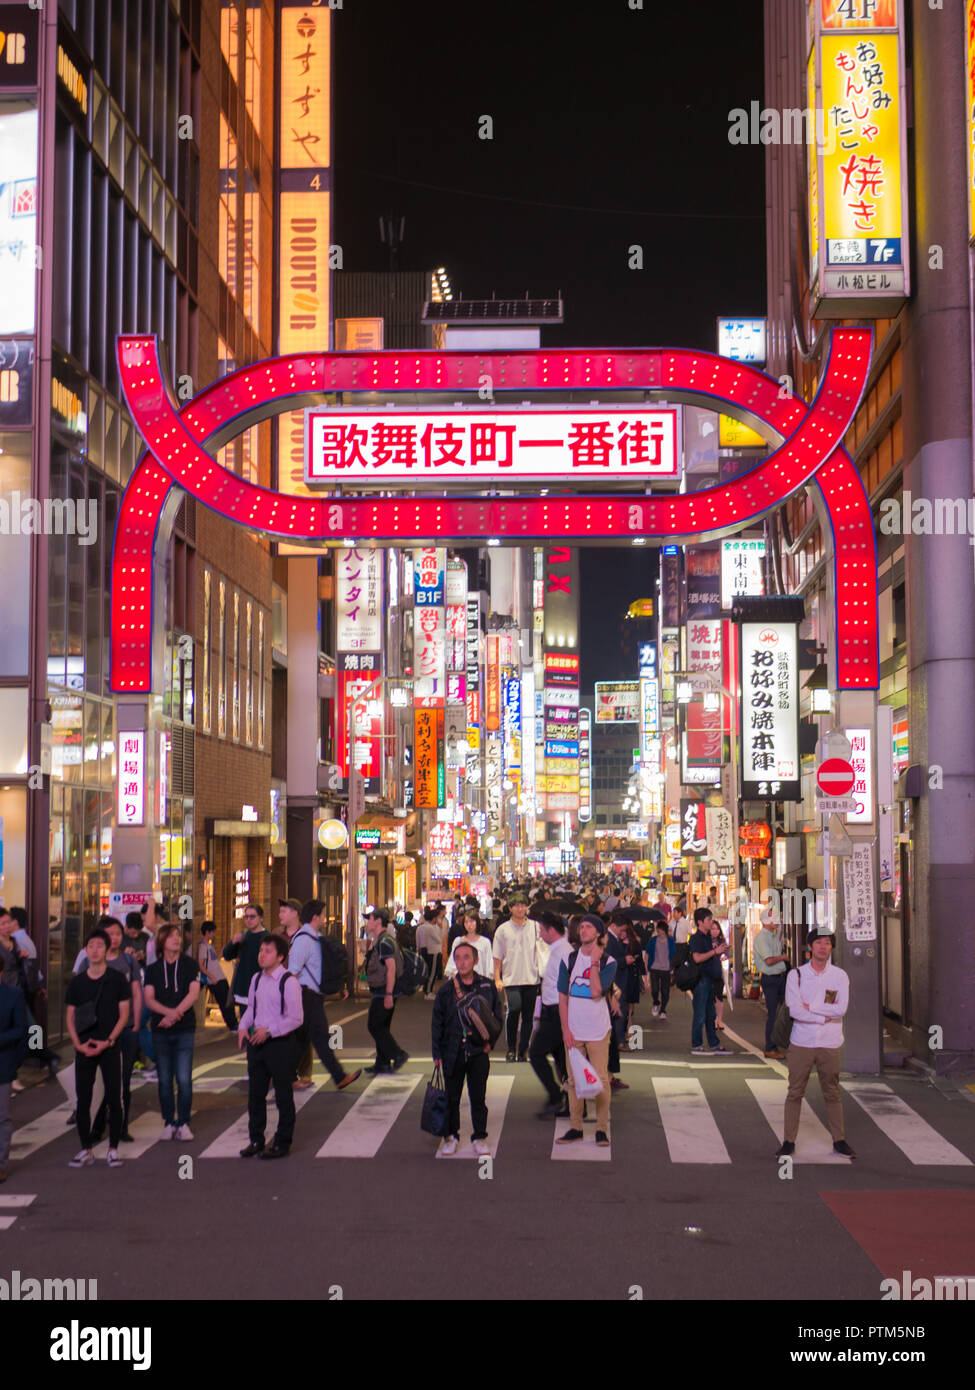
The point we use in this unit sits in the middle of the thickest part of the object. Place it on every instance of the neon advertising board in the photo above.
(177, 458)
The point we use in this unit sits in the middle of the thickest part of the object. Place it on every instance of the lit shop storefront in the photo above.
(236, 870)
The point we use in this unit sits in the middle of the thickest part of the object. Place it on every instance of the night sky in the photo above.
(610, 131)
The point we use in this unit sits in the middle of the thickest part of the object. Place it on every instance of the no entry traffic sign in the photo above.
(835, 777)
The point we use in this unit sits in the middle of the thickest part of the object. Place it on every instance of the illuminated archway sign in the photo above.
(811, 450)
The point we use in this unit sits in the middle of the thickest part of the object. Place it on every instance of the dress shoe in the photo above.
(615, 1084)
(787, 1150)
(251, 1150)
(775, 1053)
(378, 1069)
(842, 1147)
(398, 1061)
(348, 1079)
(126, 1137)
(304, 1084)
(277, 1151)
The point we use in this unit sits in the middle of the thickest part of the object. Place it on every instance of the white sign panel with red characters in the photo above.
(395, 448)
(429, 649)
(862, 792)
(358, 600)
(769, 712)
(132, 778)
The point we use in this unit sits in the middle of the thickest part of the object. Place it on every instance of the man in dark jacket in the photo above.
(13, 1049)
(460, 1047)
(244, 947)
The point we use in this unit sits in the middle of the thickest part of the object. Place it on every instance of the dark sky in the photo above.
(610, 130)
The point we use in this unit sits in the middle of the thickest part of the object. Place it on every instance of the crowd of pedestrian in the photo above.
(557, 966)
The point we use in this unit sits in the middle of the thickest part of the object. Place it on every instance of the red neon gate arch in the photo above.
(812, 450)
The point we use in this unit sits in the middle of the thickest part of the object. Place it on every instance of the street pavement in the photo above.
(690, 1199)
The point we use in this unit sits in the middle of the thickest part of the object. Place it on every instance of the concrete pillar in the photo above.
(937, 407)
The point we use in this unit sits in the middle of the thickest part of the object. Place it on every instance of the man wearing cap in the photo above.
(517, 972)
(383, 965)
(818, 995)
(305, 963)
(244, 948)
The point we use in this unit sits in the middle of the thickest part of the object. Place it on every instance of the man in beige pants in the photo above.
(585, 980)
(818, 995)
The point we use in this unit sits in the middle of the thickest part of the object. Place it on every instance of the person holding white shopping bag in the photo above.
(585, 980)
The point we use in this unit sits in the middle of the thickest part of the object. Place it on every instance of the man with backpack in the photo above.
(466, 1022)
(321, 967)
(269, 1026)
(384, 969)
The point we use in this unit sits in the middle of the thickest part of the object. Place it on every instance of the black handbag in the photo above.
(479, 1015)
(433, 1119)
(86, 1015)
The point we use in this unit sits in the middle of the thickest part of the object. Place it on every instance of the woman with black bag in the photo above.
(467, 1022)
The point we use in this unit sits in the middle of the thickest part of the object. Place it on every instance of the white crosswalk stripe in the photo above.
(16, 1202)
(498, 1093)
(813, 1142)
(232, 1140)
(583, 1150)
(53, 1124)
(904, 1126)
(689, 1127)
(360, 1133)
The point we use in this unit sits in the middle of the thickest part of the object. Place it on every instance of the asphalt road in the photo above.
(689, 1201)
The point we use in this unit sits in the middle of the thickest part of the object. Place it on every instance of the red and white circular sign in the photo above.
(835, 777)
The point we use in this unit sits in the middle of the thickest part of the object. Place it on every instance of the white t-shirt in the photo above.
(483, 965)
(559, 951)
(589, 1019)
(685, 930)
(517, 950)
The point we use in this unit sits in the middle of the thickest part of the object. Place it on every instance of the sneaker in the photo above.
(150, 1074)
(481, 1147)
(787, 1149)
(722, 1051)
(348, 1079)
(615, 1084)
(449, 1147)
(700, 1051)
(428, 996)
(183, 1132)
(842, 1147)
(305, 1084)
(655, 1010)
(509, 1056)
(571, 1136)
(779, 1056)
(662, 1014)
(84, 1158)
(168, 1132)
(602, 1139)
(113, 1160)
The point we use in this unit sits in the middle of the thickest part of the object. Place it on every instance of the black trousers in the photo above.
(521, 1004)
(270, 1063)
(129, 1044)
(379, 1024)
(475, 1070)
(109, 1063)
(434, 964)
(660, 988)
(547, 1040)
(221, 993)
(314, 1034)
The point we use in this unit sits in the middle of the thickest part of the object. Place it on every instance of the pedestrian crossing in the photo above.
(697, 1118)
(15, 1202)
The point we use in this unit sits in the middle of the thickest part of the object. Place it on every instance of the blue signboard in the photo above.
(561, 748)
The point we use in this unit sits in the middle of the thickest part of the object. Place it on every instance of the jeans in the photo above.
(547, 1039)
(145, 1037)
(109, 1063)
(315, 1034)
(773, 987)
(379, 1025)
(6, 1124)
(174, 1059)
(272, 1062)
(704, 1014)
(475, 1069)
(521, 1003)
(221, 993)
(129, 1043)
(660, 988)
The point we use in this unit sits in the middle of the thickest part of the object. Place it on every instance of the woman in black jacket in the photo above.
(460, 1046)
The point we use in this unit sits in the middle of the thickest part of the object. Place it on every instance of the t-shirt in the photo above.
(558, 952)
(385, 950)
(701, 942)
(126, 966)
(171, 982)
(517, 950)
(589, 1019)
(106, 992)
(660, 959)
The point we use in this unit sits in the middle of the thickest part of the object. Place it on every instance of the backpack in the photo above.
(333, 964)
(252, 999)
(414, 973)
(782, 1023)
(686, 972)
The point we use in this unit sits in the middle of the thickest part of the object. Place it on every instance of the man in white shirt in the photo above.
(546, 1039)
(683, 928)
(818, 996)
(516, 971)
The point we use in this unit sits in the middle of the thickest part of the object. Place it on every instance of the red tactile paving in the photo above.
(926, 1232)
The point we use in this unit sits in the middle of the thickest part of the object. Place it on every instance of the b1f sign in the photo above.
(408, 448)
